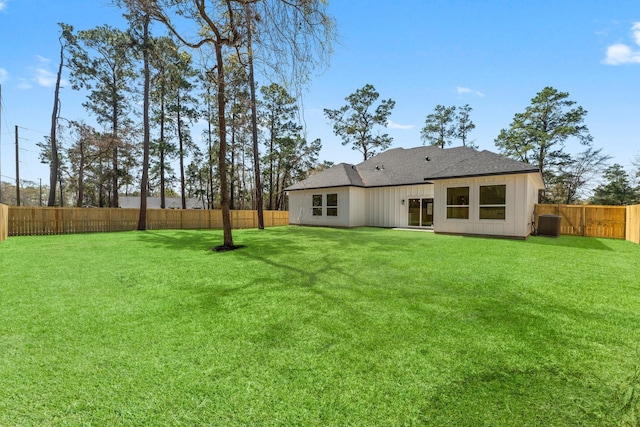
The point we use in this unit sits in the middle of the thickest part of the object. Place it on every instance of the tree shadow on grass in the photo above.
(278, 240)
(192, 240)
(199, 240)
(300, 258)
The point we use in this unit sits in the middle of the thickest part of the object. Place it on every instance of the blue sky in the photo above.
(493, 55)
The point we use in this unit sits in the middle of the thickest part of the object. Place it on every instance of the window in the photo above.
(493, 201)
(458, 202)
(332, 205)
(317, 205)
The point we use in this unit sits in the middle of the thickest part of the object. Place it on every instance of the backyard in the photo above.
(317, 326)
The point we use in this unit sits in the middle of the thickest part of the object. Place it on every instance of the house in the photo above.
(154, 202)
(456, 190)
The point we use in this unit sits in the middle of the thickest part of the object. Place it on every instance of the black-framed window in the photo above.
(493, 201)
(458, 202)
(317, 205)
(332, 204)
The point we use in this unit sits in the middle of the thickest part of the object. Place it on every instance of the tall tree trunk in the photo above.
(101, 203)
(80, 200)
(243, 193)
(277, 185)
(222, 152)
(271, 142)
(232, 170)
(254, 121)
(210, 148)
(61, 191)
(55, 161)
(183, 193)
(115, 143)
(144, 182)
(163, 204)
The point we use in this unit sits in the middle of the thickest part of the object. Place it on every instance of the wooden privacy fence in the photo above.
(618, 222)
(31, 221)
(633, 224)
(4, 222)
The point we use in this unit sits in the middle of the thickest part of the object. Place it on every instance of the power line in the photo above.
(29, 151)
(33, 130)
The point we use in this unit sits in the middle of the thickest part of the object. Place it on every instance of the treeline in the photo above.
(178, 63)
(97, 164)
(149, 93)
(538, 136)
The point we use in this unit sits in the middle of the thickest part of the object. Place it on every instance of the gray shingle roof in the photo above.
(400, 166)
(483, 163)
(340, 175)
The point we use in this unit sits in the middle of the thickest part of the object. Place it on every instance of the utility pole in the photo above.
(17, 171)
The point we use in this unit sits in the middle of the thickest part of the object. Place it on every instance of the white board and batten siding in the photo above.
(385, 207)
(351, 201)
(376, 207)
(521, 195)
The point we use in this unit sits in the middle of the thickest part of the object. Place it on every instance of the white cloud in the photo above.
(636, 32)
(394, 125)
(44, 77)
(24, 84)
(621, 53)
(42, 59)
(40, 75)
(464, 90)
(3, 5)
(4, 75)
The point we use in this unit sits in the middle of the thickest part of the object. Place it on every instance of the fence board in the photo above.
(274, 218)
(35, 220)
(579, 220)
(4, 222)
(244, 219)
(588, 220)
(605, 221)
(633, 223)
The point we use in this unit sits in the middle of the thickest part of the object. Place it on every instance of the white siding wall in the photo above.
(357, 207)
(301, 208)
(382, 207)
(518, 204)
(385, 208)
(535, 184)
(377, 207)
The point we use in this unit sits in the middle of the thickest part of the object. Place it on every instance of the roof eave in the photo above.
(327, 186)
(482, 174)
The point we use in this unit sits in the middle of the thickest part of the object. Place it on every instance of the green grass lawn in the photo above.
(315, 326)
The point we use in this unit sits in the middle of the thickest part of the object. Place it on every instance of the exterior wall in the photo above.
(521, 194)
(301, 207)
(357, 207)
(529, 210)
(377, 207)
(385, 207)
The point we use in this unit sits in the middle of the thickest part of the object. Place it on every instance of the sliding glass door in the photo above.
(420, 212)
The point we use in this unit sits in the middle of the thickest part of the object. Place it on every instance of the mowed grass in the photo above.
(314, 326)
